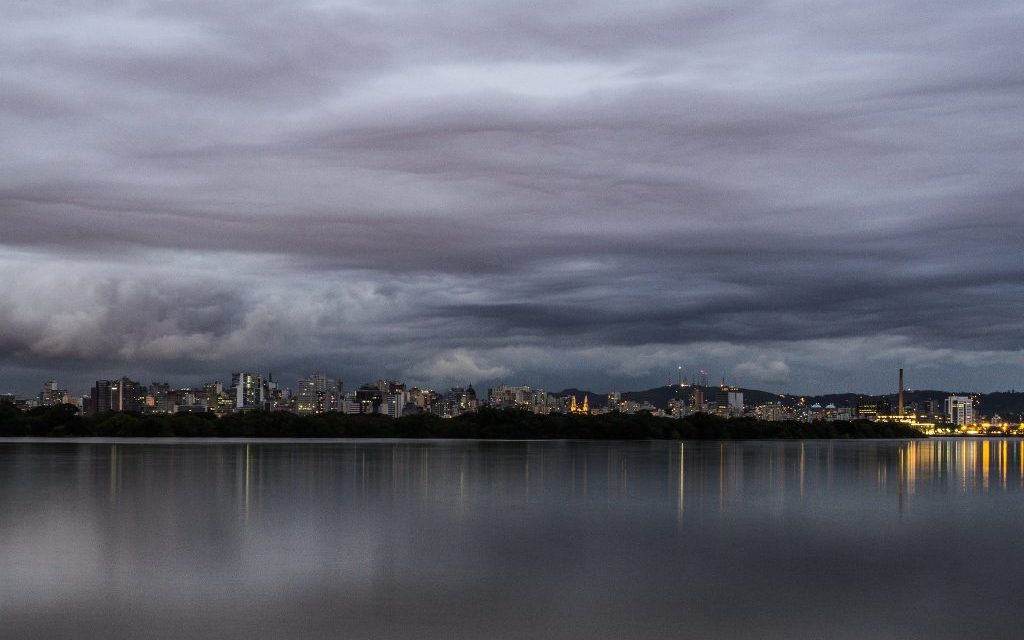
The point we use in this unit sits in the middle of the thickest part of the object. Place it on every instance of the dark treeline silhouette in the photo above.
(64, 421)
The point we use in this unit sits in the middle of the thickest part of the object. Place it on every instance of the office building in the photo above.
(247, 390)
(101, 396)
(960, 410)
(729, 400)
(51, 396)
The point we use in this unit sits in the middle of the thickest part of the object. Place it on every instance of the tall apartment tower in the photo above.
(317, 394)
(130, 396)
(697, 399)
(102, 400)
(247, 390)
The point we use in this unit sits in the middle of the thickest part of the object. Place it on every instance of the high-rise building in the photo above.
(309, 395)
(469, 402)
(130, 396)
(960, 410)
(394, 404)
(677, 407)
(51, 396)
(102, 396)
(370, 398)
(463, 399)
(729, 400)
(247, 390)
(161, 399)
(614, 398)
(317, 394)
(216, 400)
(507, 396)
(697, 399)
(350, 404)
(390, 386)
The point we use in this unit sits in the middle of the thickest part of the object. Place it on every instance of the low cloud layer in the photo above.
(790, 197)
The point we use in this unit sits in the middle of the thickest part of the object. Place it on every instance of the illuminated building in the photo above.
(826, 413)
(508, 396)
(161, 398)
(772, 412)
(247, 390)
(51, 395)
(131, 396)
(369, 398)
(580, 408)
(697, 399)
(464, 399)
(960, 410)
(316, 394)
(394, 404)
(677, 407)
(390, 386)
(729, 401)
(867, 411)
(539, 401)
(614, 397)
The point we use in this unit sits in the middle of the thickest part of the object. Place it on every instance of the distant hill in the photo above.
(660, 396)
(1005, 403)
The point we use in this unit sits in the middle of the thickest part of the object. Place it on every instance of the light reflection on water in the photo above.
(423, 539)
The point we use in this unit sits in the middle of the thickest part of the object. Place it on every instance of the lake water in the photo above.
(494, 540)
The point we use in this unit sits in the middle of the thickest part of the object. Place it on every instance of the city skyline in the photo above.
(292, 387)
(932, 412)
(794, 197)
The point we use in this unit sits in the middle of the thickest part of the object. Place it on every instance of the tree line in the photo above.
(487, 423)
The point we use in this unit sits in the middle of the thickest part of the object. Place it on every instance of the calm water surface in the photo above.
(493, 540)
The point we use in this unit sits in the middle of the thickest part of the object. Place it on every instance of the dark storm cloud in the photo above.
(472, 190)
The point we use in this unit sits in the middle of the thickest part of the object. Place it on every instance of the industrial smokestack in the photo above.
(901, 392)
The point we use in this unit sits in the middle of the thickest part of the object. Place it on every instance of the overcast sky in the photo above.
(798, 196)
